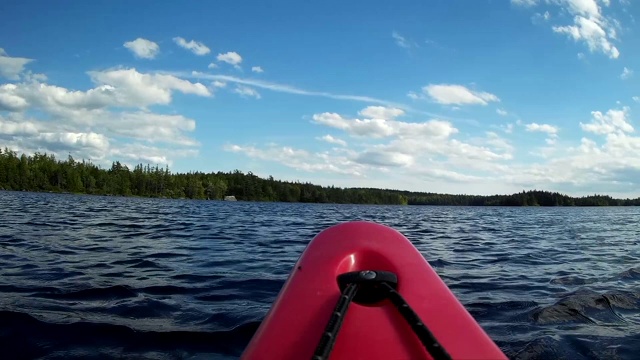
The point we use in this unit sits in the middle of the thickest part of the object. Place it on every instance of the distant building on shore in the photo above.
(230, 198)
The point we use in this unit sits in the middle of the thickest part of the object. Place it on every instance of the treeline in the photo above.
(43, 172)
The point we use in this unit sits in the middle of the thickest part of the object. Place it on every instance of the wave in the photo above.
(23, 336)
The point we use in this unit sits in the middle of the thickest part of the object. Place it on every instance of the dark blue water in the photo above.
(104, 277)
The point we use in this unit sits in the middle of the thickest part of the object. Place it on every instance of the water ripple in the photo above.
(112, 277)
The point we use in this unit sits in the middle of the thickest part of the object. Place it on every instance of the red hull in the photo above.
(295, 323)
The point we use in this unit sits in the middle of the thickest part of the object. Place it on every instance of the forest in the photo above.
(43, 172)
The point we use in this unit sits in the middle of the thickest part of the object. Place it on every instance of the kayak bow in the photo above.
(361, 290)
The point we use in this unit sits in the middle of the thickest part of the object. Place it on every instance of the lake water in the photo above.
(106, 277)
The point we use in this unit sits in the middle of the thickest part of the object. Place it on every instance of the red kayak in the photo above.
(361, 290)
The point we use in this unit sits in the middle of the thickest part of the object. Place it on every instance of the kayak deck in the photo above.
(297, 319)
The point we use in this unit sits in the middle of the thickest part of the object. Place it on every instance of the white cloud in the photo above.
(385, 149)
(614, 121)
(538, 18)
(131, 88)
(502, 112)
(581, 56)
(589, 26)
(92, 123)
(120, 87)
(246, 91)
(301, 159)
(508, 128)
(219, 84)
(29, 136)
(287, 88)
(231, 57)
(545, 128)
(381, 112)
(591, 32)
(22, 127)
(636, 98)
(30, 76)
(583, 7)
(332, 140)
(612, 167)
(626, 73)
(212, 65)
(381, 128)
(384, 158)
(151, 127)
(137, 153)
(525, 3)
(450, 94)
(257, 69)
(10, 101)
(11, 67)
(497, 142)
(402, 41)
(75, 140)
(143, 48)
(195, 47)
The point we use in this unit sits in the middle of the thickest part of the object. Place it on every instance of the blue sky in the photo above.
(475, 97)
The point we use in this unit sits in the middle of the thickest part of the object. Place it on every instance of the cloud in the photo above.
(97, 123)
(422, 150)
(212, 66)
(381, 128)
(246, 91)
(151, 127)
(332, 140)
(636, 99)
(287, 88)
(257, 69)
(11, 67)
(385, 148)
(219, 84)
(138, 153)
(612, 122)
(384, 158)
(9, 101)
(545, 128)
(538, 18)
(300, 159)
(381, 112)
(502, 112)
(449, 94)
(128, 87)
(143, 48)
(612, 166)
(19, 128)
(508, 128)
(29, 136)
(591, 32)
(231, 57)
(195, 47)
(119, 87)
(589, 26)
(626, 73)
(402, 42)
(525, 3)
(70, 140)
